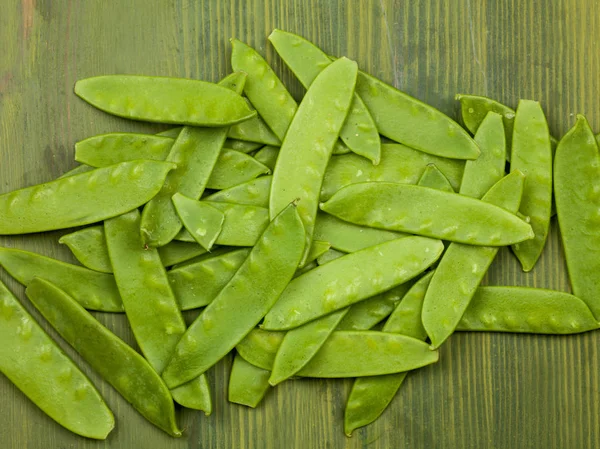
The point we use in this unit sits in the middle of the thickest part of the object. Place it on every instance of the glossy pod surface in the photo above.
(251, 193)
(203, 222)
(433, 178)
(109, 149)
(31, 360)
(82, 199)
(234, 168)
(248, 384)
(164, 100)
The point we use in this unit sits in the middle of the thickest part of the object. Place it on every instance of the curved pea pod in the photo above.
(245, 300)
(82, 199)
(576, 180)
(350, 279)
(427, 212)
(433, 178)
(173, 133)
(77, 171)
(317, 249)
(306, 61)
(267, 156)
(407, 120)
(309, 142)
(252, 193)
(527, 310)
(398, 164)
(348, 237)
(113, 148)
(233, 168)
(248, 384)
(31, 360)
(164, 100)
(174, 252)
(88, 245)
(263, 88)
(197, 284)
(127, 371)
(194, 394)
(260, 347)
(532, 155)
(202, 221)
(91, 289)
(370, 396)
(242, 146)
(462, 268)
(329, 256)
(253, 130)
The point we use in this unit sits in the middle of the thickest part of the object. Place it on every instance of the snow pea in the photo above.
(260, 347)
(244, 301)
(31, 360)
(81, 199)
(317, 249)
(233, 168)
(194, 394)
(248, 384)
(175, 252)
(242, 146)
(330, 255)
(127, 371)
(433, 178)
(202, 221)
(109, 149)
(267, 156)
(76, 171)
(448, 216)
(173, 133)
(252, 193)
(165, 100)
(253, 130)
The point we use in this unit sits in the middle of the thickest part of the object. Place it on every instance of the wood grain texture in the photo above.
(488, 391)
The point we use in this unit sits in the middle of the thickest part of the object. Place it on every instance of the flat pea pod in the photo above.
(309, 142)
(93, 290)
(144, 289)
(252, 193)
(433, 178)
(532, 155)
(195, 395)
(245, 299)
(197, 284)
(407, 120)
(576, 180)
(127, 371)
(329, 255)
(233, 168)
(527, 310)
(173, 133)
(218, 251)
(317, 249)
(176, 252)
(248, 384)
(263, 88)
(462, 268)
(164, 100)
(370, 396)
(195, 152)
(81, 199)
(350, 279)
(267, 156)
(448, 216)
(348, 237)
(242, 146)
(259, 347)
(31, 360)
(340, 148)
(398, 164)
(76, 171)
(203, 221)
(253, 130)
(306, 61)
(109, 149)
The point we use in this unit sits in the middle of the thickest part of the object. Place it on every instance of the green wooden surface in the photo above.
(488, 391)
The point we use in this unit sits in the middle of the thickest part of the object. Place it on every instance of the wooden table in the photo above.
(487, 391)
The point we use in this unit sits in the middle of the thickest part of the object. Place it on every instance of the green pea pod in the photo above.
(263, 88)
(398, 164)
(248, 384)
(245, 300)
(532, 155)
(433, 178)
(242, 146)
(127, 371)
(113, 148)
(576, 178)
(306, 61)
(174, 252)
(350, 279)
(194, 394)
(251, 193)
(317, 249)
(462, 268)
(267, 156)
(340, 148)
(77, 171)
(202, 221)
(93, 290)
(309, 142)
(164, 100)
(407, 120)
(173, 133)
(448, 216)
(195, 152)
(233, 168)
(81, 199)
(31, 360)
(260, 347)
(330, 255)
(253, 130)
(527, 310)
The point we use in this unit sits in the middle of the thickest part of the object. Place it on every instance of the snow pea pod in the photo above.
(251, 193)
(309, 142)
(398, 164)
(462, 268)
(306, 61)
(31, 360)
(93, 290)
(267, 156)
(233, 168)
(82, 199)
(433, 178)
(127, 371)
(76, 171)
(317, 249)
(165, 100)
(173, 133)
(245, 299)
(448, 216)
(202, 221)
(532, 155)
(407, 120)
(108, 149)
(350, 279)
(576, 181)
(194, 394)
(242, 146)
(260, 347)
(174, 252)
(253, 130)
(248, 384)
(330, 255)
